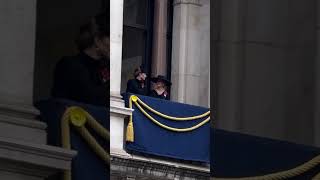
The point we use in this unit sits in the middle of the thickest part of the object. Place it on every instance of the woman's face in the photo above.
(160, 84)
(143, 76)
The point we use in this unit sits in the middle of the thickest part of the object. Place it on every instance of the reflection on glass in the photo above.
(133, 53)
(135, 12)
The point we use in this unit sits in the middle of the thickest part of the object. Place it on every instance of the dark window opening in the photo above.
(57, 26)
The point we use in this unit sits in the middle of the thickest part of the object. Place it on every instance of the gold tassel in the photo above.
(130, 132)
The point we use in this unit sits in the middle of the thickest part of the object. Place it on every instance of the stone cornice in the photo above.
(23, 122)
(35, 154)
(26, 169)
(18, 110)
(117, 107)
(193, 2)
(120, 111)
(139, 168)
(22, 129)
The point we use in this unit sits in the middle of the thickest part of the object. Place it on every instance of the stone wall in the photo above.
(265, 63)
(17, 34)
(23, 150)
(191, 52)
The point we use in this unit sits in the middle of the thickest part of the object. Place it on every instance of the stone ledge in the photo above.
(117, 107)
(23, 122)
(119, 153)
(137, 167)
(124, 155)
(26, 169)
(23, 129)
(18, 110)
(120, 111)
(38, 155)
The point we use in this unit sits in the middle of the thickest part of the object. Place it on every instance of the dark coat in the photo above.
(134, 87)
(83, 79)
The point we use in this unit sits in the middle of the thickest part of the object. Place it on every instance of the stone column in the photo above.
(159, 60)
(117, 109)
(190, 51)
(265, 81)
(229, 31)
(23, 150)
(17, 47)
(116, 28)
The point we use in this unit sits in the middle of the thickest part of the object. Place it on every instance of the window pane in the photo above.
(135, 12)
(133, 53)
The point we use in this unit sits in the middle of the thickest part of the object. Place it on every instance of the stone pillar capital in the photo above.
(193, 2)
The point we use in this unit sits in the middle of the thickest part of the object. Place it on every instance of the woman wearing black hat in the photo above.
(137, 85)
(160, 89)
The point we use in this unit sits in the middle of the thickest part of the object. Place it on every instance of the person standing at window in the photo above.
(85, 77)
(137, 85)
(160, 88)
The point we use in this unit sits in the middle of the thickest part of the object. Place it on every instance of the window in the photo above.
(58, 24)
(137, 37)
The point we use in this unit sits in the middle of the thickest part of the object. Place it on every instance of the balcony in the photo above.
(156, 138)
(152, 138)
(83, 128)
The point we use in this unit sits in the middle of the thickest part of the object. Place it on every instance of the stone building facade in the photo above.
(23, 150)
(267, 62)
(35, 35)
(190, 59)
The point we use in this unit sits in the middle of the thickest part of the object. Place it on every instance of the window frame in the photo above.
(148, 32)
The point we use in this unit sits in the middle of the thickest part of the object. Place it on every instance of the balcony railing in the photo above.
(81, 127)
(157, 128)
(167, 129)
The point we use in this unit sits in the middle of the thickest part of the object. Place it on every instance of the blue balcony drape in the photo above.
(86, 165)
(151, 139)
(240, 155)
